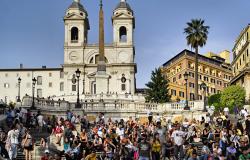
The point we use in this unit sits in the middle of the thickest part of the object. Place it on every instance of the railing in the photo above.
(115, 106)
(107, 96)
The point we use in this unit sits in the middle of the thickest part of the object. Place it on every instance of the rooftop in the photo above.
(77, 5)
(203, 58)
(124, 5)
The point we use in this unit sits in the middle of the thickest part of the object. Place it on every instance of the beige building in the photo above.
(241, 61)
(79, 54)
(213, 71)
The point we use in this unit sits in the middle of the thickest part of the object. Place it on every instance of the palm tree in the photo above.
(196, 36)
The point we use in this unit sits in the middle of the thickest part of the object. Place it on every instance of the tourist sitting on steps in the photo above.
(91, 156)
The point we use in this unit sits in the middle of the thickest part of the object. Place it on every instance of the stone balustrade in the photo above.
(107, 97)
(115, 106)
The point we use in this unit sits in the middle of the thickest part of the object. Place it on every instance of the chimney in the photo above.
(21, 66)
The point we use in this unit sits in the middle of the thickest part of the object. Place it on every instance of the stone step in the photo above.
(20, 155)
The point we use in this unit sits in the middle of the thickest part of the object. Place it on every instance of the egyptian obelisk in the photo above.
(101, 75)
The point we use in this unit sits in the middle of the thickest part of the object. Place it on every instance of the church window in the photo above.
(50, 84)
(81, 14)
(6, 85)
(123, 80)
(61, 86)
(74, 35)
(50, 74)
(123, 87)
(39, 80)
(123, 34)
(93, 87)
(73, 87)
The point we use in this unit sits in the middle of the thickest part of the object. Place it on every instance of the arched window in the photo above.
(123, 34)
(74, 35)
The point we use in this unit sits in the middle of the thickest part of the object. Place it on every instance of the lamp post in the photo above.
(186, 80)
(204, 87)
(74, 79)
(33, 93)
(19, 84)
(78, 73)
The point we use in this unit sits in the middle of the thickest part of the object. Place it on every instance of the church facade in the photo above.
(118, 59)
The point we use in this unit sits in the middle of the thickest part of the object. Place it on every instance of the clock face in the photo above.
(123, 56)
(73, 56)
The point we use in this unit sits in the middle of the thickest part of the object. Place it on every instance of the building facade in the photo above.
(79, 54)
(212, 69)
(241, 61)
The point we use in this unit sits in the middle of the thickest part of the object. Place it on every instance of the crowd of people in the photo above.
(15, 134)
(208, 138)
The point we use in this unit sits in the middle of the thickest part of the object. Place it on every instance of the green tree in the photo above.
(157, 88)
(215, 100)
(233, 96)
(196, 36)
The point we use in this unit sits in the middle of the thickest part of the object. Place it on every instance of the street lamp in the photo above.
(73, 81)
(78, 73)
(204, 87)
(33, 93)
(186, 80)
(19, 84)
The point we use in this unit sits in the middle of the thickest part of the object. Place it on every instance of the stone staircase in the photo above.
(38, 151)
(20, 155)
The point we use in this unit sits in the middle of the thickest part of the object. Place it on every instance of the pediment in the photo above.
(91, 75)
(123, 15)
(73, 16)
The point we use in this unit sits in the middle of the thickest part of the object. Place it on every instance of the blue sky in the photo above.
(32, 31)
